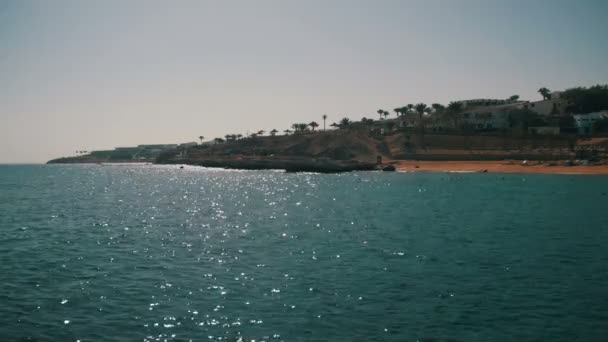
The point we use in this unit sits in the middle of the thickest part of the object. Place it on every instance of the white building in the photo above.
(556, 105)
(489, 118)
(584, 122)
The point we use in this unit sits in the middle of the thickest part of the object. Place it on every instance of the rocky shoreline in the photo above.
(88, 160)
(287, 164)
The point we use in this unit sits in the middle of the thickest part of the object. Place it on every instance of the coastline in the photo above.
(336, 166)
(289, 164)
(347, 150)
(80, 160)
(498, 167)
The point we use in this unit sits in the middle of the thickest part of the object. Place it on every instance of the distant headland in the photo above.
(565, 132)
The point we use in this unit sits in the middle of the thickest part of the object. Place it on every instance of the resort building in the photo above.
(584, 122)
(407, 121)
(556, 105)
(490, 118)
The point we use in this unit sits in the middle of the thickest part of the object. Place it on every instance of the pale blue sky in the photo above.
(98, 74)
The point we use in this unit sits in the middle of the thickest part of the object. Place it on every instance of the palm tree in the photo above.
(438, 108)
(201, 138)
(274, 132)
(421, 108)
(313, 125)
(218, 140)
(386, 114)
(545, 93)
(401, 113)
(410, 107)
(452, 112)
(287, 131)
(345, 122)
(438, 111)
(380, 112)
(514, 98)
(261, 132)
(324, 118)
(299, 127)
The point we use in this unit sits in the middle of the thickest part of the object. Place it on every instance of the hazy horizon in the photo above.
(101, 74)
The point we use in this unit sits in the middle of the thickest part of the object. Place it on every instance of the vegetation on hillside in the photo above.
(587, 100)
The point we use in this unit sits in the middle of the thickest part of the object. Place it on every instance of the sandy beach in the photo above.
(499, 166)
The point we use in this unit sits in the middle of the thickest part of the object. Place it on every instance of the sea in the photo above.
(163, 253)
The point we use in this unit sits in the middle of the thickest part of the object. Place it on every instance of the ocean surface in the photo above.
(158, 253)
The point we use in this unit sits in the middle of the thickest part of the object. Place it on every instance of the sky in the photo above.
(97, 74)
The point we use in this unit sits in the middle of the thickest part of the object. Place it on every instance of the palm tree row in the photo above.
(233, 137)
(298, 128)
(382, 112)
(419, 110)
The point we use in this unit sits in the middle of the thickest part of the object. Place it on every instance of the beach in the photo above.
(499, 166)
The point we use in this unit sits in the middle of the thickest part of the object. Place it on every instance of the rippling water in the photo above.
(155, 253)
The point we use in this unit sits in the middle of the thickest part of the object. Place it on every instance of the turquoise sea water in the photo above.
(155, 253)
